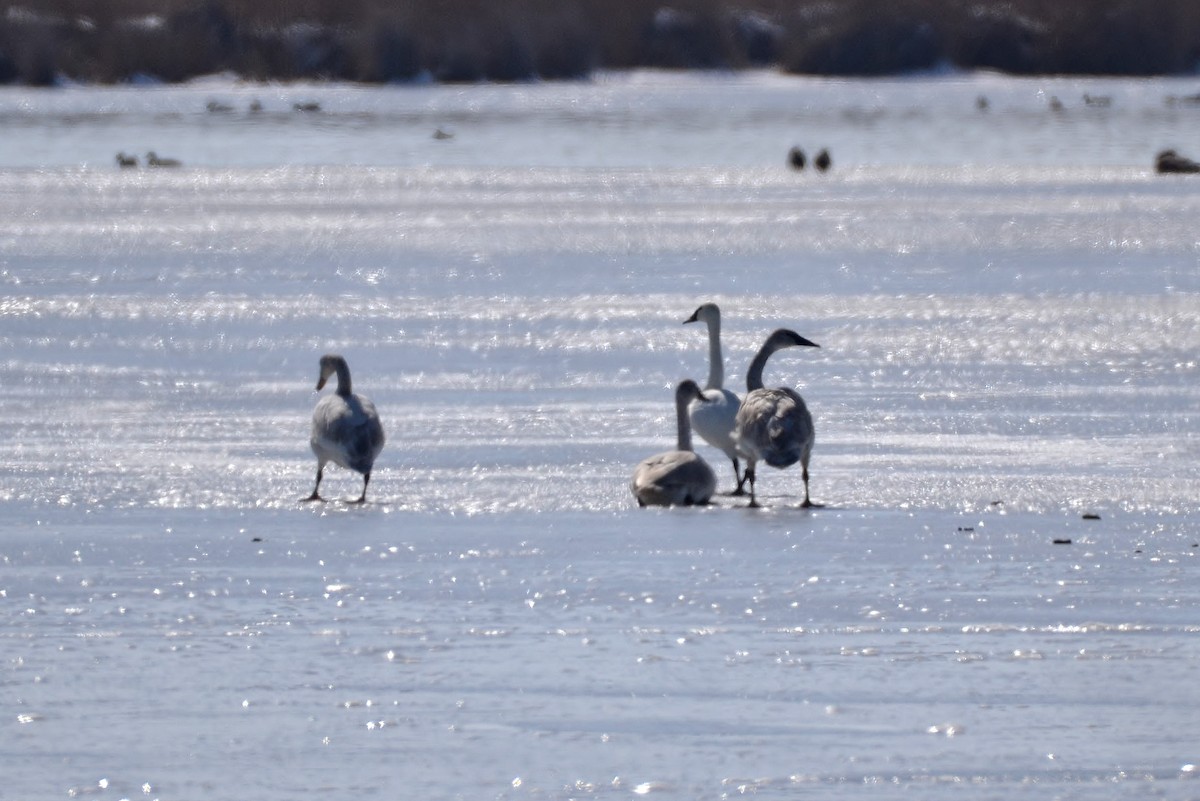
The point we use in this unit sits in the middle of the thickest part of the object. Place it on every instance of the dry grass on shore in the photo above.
(42, 41)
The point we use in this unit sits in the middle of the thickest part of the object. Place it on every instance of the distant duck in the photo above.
(981, 103)
(796, 158)
(153, 160)
(713, 416)
(1185, 100)
(680, 477)
(1097, 101)
(217, 107)
(822, 161)
(125, 160)
(255, 106)
(1168, 161)
(441, 135)
(1055, 104)
(308, 106)
(774, 425)
(345, 427)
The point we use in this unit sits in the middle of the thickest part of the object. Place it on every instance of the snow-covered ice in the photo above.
(999, 595)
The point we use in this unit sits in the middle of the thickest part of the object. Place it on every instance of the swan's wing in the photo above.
(774, 426)
(347, 431)
(750, 423)
(674, 478)
(714, 419)
(790, 430)
(372, 436)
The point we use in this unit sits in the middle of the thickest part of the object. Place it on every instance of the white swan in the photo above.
(345, 427)
(680, 477)
(774, 425)
(713, 418)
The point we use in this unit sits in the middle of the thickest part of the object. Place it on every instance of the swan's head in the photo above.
(329, 366)
(688, 390)
(783, 338)
(706, 313)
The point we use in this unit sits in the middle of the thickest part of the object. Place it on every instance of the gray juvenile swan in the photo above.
(345, 427)
(155, 160)
(773, 425)
(680, 477)
(714, 416)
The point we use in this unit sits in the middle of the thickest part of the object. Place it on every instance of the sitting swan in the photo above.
(155, 160)
(713, 416)
(680, 477)
(345, 427)
(773, 425)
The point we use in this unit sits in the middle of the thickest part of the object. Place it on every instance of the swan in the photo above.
(345, 427)
(1170, 161)
(713, 417)
(154, 160)
(678, 477)
(773, 425)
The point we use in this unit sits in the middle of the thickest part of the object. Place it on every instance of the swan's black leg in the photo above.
(316, 495)
(750, 477)
(808, 504)
(366, 480)
(740, 477)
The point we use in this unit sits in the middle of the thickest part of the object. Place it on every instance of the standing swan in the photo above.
(773, 425)
(713, 416)
(345, 427)
(680, 477)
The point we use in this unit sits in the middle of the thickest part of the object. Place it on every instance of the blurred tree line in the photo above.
(45, 41)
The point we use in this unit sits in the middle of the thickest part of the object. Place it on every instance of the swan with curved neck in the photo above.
(713, 418)
(774, 425)
(680, 477)
(345, 427)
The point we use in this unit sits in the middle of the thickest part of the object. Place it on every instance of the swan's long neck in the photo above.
(343, 374)
(683, 423)
(754, 378)
(716, 362)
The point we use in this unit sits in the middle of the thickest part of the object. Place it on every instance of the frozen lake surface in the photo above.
(1000, 594)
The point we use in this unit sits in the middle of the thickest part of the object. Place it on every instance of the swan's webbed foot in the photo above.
(811, 505)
